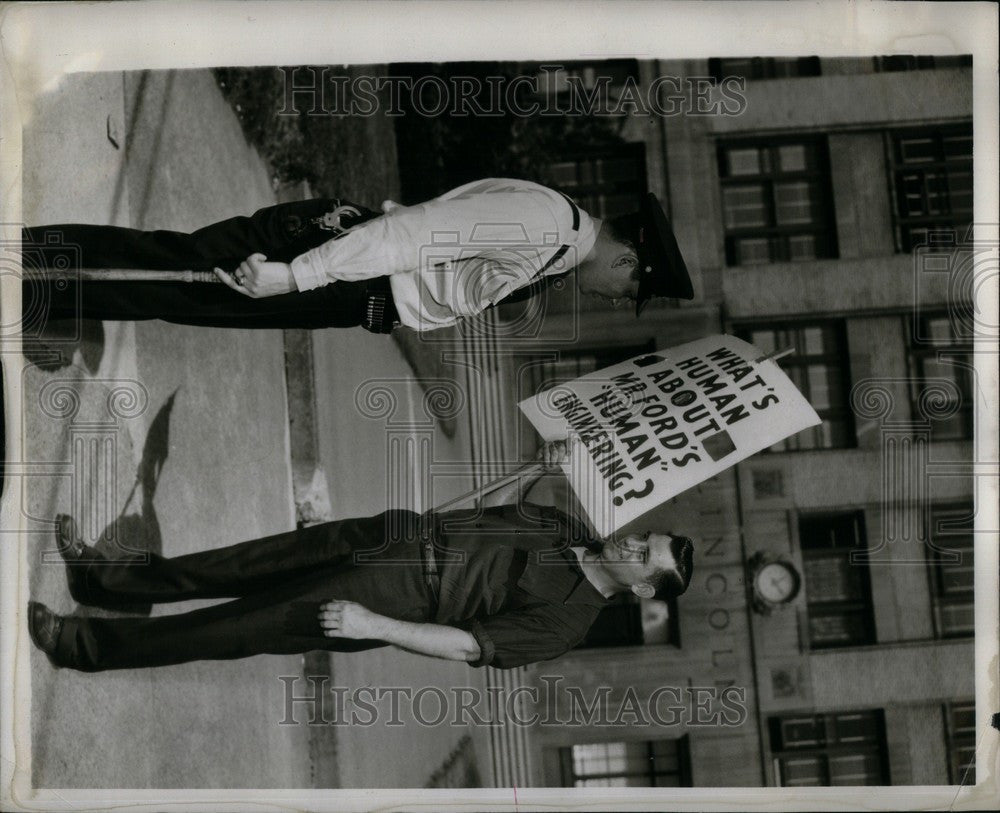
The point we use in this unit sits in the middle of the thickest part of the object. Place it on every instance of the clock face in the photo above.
(776, 582)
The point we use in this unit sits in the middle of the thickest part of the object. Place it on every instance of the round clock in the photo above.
(776, 582)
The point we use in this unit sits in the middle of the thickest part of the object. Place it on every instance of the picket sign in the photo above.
(649, 428)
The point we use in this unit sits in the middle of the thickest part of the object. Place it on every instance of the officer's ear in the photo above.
(644, 590)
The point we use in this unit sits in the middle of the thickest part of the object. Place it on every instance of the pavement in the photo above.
(174, 439)
(197, 725)
(376, 440)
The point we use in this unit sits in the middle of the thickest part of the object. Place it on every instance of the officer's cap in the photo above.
(662, 271)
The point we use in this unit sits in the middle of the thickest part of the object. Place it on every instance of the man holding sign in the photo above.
(505, 585)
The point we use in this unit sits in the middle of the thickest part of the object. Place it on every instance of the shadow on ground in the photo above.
(136, 534)
(59, 340)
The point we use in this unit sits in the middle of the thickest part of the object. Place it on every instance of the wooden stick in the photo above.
(774, 355)
(527, 470)
(124, 275)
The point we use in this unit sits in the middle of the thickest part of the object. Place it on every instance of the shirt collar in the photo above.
(557, 577)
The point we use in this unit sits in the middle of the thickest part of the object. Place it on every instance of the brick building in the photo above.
(833, 575)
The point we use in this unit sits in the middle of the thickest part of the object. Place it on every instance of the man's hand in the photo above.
(348, 619)
(257, 278)
(554, 453)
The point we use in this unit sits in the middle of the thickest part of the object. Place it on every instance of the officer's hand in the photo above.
(554, 453)
(348, 619)
(257, 278)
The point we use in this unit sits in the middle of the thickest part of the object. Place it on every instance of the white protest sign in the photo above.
(660, 423)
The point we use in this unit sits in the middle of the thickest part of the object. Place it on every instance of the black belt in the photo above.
(576, 212)
(565, 247)
(380, 314)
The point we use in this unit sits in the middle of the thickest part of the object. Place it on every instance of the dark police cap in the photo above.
(662, 271)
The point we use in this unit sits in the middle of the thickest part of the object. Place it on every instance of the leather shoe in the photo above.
(77, 555)
(71, 547)
(44, 627)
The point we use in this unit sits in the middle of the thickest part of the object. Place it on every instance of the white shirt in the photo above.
(455, 255)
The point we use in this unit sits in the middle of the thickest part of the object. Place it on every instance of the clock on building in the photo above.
(775, 582)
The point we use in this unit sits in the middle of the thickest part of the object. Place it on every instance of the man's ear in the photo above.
(627, 259)
(644, 590)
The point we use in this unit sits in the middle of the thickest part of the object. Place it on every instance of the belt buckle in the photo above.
(429, 568)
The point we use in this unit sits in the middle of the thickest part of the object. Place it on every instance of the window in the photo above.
(545, 372)
(838, 591)
(540, 373)
(931, 183)
(950, 559)
(941, 371)
(821, 750)
(819, 369)
(910, 62)
(632, 621)
(612, 73)
(764, 67)
(604, 182)
(960, 730)
(653, 764)
(776, 201)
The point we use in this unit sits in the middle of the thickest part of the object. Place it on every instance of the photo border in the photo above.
(44, 42)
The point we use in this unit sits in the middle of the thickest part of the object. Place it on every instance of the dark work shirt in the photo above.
(509, 576)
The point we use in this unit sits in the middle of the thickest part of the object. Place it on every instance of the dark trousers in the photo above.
(278, 584)
(280, 232)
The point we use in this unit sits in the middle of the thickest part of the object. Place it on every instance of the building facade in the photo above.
(832, 593)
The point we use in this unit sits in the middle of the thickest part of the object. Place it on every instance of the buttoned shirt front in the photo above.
(509, 576)
(457, 254)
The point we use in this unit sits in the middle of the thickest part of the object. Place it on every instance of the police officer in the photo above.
(332, 263)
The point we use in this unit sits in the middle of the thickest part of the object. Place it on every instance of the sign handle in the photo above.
(774, 355)
(526, 470)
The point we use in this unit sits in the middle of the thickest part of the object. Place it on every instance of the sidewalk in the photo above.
(359, 413)
(208, 425)
(376, 441)
(194, 451)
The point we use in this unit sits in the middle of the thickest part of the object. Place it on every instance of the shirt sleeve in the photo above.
(529, 634)
(433, 233)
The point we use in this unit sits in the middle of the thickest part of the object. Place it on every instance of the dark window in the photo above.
(941, 375)
(612, 73)
(604, 182)
(632, 621)
(950, 558)
(910, 62)
(838, 591)
(763, 67)
(776, 201)
(819, 369)
(652, 764)
(628, 621)
(544, 372)
(822, 750)
(931, 183)
(960, 728)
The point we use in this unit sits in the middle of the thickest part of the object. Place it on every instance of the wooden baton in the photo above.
(124, 275)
